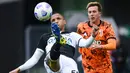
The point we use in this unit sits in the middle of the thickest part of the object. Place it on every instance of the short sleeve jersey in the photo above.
(96, 59)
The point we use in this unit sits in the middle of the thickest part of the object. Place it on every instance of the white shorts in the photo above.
(67, 65)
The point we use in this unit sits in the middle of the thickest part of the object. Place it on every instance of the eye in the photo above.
(89, 12)
(52, 20)
(58, 18)
(94, 11)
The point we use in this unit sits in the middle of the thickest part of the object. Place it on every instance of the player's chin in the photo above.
(92, 20)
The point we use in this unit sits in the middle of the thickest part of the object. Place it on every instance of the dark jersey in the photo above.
(47, 40)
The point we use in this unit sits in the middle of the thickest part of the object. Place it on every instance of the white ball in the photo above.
(43, 11)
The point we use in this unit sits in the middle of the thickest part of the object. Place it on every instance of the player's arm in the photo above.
(86, 42)
(111, 39)
(89, 41)
(111, 45)
(81, 42)
(30, 63)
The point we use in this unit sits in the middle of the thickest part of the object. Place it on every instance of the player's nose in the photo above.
(56, 21)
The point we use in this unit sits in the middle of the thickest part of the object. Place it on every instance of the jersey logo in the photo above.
(74, 71)
(85, 34)
(97, 42)
(51, 40)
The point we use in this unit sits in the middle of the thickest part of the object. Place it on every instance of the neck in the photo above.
(62, 30)
(97, 22)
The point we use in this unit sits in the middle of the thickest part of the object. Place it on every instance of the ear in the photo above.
(100, 14)
(65, 21)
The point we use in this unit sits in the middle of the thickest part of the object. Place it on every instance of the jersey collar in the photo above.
(92, 26)
(65, 32)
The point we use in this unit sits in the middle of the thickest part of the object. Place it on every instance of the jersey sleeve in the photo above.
(76, 37)
(32, 61)
(80, 29)
(42, 42)
(110, 32)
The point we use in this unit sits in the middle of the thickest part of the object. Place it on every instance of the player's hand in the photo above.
(95, 29)
(96, 46)
(55, 30)
(17, 70)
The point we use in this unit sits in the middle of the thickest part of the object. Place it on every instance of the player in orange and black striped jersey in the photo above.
(96, 58)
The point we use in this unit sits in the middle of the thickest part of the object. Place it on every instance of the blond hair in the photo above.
(90, 4)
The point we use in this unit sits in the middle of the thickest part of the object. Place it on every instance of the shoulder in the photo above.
(46, 35)
(73, 33)
(81, 24)
(106, 23)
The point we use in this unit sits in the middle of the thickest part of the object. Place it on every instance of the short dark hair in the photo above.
(59, 14)
(90, 4)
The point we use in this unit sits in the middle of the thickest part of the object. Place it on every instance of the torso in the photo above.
(95, 58)
(68, 49)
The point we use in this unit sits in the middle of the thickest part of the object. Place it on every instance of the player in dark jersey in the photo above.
(59, 47)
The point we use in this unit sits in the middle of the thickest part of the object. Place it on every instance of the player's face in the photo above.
(59, 19)
(93, 14)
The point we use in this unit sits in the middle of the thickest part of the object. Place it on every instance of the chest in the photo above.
(52, 40)
(101, 36)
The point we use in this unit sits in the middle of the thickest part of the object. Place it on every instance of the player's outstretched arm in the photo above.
(89, 41)
(17, 70)
(30, 63)
(86, 42)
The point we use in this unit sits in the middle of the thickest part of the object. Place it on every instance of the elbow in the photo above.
(112, 44)
(113, 47)
(109, 46)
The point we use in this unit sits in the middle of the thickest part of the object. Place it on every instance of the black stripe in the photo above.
(67, 50)
(92, 26)
(78, 41)
(111, 38)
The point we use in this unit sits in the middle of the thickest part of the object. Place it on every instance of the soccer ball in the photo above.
(43, 11)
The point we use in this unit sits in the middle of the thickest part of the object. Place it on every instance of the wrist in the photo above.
(102, 47)
(18, 70)
(93, 35)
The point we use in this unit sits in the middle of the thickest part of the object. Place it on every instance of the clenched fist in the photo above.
(95, 29)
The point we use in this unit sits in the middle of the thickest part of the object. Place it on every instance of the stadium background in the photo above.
(20, 31)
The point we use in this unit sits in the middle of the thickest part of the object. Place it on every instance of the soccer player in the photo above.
(96, 58)
(59, 47)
